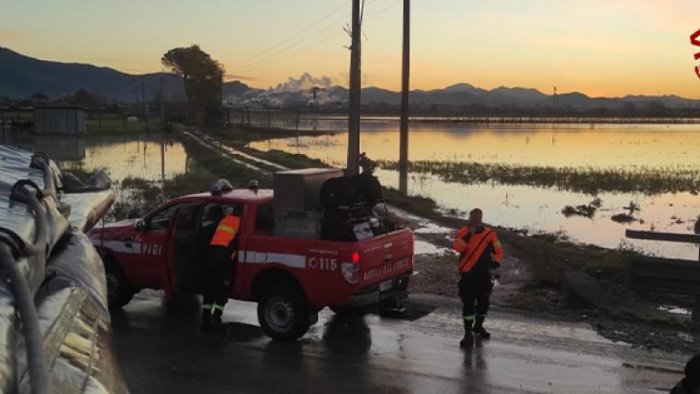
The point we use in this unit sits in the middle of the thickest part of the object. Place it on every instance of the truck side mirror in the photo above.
(140, 225)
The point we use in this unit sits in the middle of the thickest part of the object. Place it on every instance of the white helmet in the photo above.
(221, 186)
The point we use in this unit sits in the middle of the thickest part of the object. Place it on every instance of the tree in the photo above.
(203, 79)
(39, 97)
(86, 99)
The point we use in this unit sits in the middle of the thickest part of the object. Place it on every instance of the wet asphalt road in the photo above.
(162, 351)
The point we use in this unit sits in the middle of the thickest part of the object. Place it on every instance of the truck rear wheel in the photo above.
(119, 293)
(283, 314)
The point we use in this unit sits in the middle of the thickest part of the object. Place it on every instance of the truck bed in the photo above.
(319, 262)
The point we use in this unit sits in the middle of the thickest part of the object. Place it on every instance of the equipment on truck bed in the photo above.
(323, 203)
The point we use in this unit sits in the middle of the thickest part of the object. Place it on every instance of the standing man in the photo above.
(480, 252)
(691, 382)
(219, 268)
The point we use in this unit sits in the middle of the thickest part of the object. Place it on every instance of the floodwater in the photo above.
(152, 157)
(536, 209)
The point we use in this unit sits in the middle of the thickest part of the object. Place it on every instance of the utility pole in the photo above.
(143, 98)
(405, 73)
(355, 86)
(162, 104)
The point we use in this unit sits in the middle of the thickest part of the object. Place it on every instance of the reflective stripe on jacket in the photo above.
(471, 246)
(226, 231)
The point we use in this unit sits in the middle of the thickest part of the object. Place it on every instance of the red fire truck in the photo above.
(290, 277)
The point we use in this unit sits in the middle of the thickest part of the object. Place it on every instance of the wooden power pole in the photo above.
(162, 104)
(143, 98)
(355, 86)
(405, 72)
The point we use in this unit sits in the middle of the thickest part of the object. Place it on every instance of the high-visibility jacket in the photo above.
(226, 231)
(471, 247)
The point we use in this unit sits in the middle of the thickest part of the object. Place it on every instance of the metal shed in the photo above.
(59, 120)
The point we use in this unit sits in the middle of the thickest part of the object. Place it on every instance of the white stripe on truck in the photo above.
(289, 260)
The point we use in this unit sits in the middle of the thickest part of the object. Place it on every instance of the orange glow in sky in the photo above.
(598, 47)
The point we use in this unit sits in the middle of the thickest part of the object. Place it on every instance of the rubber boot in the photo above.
(479, 328)
(206, 319)
(217, 327)
(468, 340)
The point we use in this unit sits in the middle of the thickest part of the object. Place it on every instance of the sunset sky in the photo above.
(599, 47)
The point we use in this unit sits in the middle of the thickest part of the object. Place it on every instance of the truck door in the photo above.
(148, 247)
(182, 266)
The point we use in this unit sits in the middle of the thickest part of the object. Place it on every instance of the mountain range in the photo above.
(21, 76)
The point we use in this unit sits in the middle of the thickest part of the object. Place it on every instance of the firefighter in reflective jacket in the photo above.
(480, 253)
(218, 269)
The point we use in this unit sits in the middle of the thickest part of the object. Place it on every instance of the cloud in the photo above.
(295, 91)
(304, 82)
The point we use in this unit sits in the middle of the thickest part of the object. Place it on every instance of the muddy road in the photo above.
(161, 350)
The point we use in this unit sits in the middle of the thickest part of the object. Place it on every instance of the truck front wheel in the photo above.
(283, 314)
(119, 293)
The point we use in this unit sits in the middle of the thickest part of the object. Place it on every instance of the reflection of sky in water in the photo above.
(532, 208)
(604, 146)
(135, 156)
(139, 158)
(538, 209)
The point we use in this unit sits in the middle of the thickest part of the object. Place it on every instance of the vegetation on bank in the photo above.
(222, 166)
(585, 210)
(138, 196)
(289, 160)
(586, 180)
(119, 124)
(240, 135)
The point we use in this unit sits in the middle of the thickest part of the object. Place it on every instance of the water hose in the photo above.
(24, 300)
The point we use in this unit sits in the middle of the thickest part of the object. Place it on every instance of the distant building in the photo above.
(59, 120)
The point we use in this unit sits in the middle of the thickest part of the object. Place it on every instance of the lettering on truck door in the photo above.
(149, 245)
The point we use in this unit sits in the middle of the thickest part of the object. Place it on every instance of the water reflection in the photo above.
(606, 146)
(152, 157)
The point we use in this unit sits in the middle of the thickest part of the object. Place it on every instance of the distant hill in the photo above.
(459, 95)
(22, 76)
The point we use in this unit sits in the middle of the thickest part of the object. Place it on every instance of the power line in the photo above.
(281, 56)
(384, 9)
(281, 53)
(285, 56)
(292, 46)
(305, 29)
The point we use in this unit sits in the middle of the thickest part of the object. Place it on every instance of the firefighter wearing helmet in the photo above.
(222, 236)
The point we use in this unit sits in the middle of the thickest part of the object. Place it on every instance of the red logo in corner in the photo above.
(694, 40)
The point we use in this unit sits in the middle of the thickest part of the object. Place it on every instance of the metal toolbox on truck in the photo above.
(297, 224)
(299, 190)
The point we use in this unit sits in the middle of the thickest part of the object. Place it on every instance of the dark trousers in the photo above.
(475, 292)
(217, 278)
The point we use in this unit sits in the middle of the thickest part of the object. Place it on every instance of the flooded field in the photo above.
(151, 157)
(648, 149)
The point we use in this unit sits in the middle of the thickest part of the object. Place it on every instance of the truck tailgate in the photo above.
(385, 257)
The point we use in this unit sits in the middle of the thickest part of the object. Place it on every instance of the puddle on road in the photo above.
(422, 247)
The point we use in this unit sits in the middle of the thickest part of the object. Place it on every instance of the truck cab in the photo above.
(290, 275)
